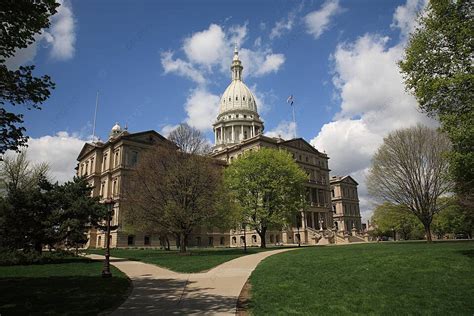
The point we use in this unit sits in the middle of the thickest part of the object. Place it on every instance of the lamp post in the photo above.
(106, 271)
(245, 236)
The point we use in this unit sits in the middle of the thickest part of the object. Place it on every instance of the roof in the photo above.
(335, 179)
(89, 147)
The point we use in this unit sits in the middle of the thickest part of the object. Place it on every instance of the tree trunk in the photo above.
(167, 243)
(184, 242)
(428, 232)
(262, 234)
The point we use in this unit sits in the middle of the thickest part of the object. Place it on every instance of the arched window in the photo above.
(254, 238)
(234, 240)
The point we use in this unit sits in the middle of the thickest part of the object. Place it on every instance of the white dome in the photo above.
(116, 128)
(237, 96)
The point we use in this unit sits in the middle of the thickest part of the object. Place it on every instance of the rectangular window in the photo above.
(131, 240)
(146, 242)
(104, 165)
(133, 158)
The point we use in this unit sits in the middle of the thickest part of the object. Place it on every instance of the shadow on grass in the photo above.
(173, 297)
(469, 253)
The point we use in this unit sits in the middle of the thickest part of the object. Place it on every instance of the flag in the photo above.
(290, 100)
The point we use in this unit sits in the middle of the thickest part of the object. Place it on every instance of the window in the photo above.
(334, 208)
(271, 238)
(131, 240)
(245, 134)
(99, 241)
(299, 158)
(198, 241)
(254, 238)
(307, 159)
(92, 165)
(236, 98)
(245, 116)
(243, 98)
(116, 158)
(104, 163)
(222, 241)
(332, 193)
(133, 158)
(102, 188)
(211, 241)
(234, 240)
(242, 240)
(146, 241)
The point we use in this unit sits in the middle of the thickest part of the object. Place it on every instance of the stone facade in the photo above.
(345, 203)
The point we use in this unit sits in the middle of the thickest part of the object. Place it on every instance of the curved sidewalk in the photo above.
(158, 291)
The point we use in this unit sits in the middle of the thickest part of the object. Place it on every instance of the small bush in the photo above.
(18, 257)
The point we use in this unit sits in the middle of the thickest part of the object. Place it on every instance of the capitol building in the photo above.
(333, 215)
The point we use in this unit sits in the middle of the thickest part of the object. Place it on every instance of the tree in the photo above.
(73, 212)
(34, 212)
(390, 218)
(437, 69)
(176, 193)
(189, 140)
(21, 21)
(410, 169)
(454, 219)
(269, 187)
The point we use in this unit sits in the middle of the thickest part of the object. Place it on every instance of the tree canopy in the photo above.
(171, 192)
(22, 20)
(410, 169)
(189, 140)
(390, 218)
(34, 212)
(437, 69)
(269, 187)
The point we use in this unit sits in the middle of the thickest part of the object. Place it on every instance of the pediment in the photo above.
(301, 144)
(87, 148)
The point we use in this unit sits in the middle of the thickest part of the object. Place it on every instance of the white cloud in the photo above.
(61, 37)
(167, 129)
(59, 151)
(282, 26)
(180, 67)
(284, 129)
(405, 16)
(259, 63)
(373, 103)
(202, 108)
(317, 22)
(205, 47)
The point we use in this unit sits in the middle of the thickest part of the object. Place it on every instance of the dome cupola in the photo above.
(238, 117)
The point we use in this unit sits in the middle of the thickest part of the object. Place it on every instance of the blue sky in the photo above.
(159, 63)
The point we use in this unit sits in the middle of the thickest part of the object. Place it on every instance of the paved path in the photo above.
(159, 291)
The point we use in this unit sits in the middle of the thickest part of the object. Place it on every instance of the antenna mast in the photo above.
(95, 115)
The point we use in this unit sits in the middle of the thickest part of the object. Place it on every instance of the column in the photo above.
(253, 129)
(241, 132)
(233, 135)
(222, 134)
(312, 220)
(215, 136)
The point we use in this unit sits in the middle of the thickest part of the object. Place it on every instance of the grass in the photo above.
(197, 260)
(71, 286)
(367, 279)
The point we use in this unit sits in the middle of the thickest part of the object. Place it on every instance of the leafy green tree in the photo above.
(390, 218)
(410, 169)
(454, 219)
(34, 212)
(73, 212)
(21, 20)
(437, 69)
(269, 187)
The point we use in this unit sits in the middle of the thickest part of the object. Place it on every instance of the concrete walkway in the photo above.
(158, 291)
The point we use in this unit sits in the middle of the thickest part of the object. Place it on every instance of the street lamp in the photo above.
(106, 271)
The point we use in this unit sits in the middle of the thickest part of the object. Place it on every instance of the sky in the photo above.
(156, 64)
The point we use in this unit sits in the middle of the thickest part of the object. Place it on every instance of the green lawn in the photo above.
(72, 286)
(197, 260)
(374, 279)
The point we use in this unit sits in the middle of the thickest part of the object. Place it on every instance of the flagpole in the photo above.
(294, 120)
(95, 115)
